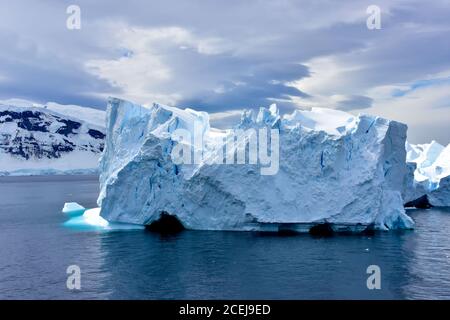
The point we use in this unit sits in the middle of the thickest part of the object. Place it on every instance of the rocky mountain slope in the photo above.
(49, 139)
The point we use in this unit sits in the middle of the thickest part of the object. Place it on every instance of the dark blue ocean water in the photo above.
(36, 249)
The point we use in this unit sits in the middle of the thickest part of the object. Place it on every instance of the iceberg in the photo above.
(73, 209)
(428, 180)
(82, 219)
(335, 171)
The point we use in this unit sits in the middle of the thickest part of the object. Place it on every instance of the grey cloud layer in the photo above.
(222, 55)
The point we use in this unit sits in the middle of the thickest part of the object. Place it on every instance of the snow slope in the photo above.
(49, 139)
(335, 170)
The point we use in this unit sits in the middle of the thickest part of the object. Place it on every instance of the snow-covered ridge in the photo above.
(89, 115)
(49, 139)
(336, 170)
(429, 173)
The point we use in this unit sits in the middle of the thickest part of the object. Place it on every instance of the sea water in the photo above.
(37, 245)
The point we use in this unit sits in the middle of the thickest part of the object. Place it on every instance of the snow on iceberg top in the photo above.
(331, 121)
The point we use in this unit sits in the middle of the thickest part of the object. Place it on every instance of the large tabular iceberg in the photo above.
(428, 181)
(335, 170)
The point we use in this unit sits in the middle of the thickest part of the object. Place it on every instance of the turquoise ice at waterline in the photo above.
(82, 219)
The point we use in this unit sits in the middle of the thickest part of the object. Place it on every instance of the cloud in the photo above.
(399, 92)
(426, 110)
(352, 102)
(30, 75)
(174, 66)
(225, 56)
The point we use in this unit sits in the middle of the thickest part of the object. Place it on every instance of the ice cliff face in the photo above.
(429, 174)
(336, 170)
(49, 139)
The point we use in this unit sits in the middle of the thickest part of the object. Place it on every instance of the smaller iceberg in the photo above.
(73, 209)
(82, 219)
(427, 182)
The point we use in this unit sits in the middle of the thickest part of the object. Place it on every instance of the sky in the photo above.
(225, 56)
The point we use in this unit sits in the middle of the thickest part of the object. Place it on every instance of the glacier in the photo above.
(336, 170)
(428, 180)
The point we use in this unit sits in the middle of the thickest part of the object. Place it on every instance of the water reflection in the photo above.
(428, 255)
(230, 265)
